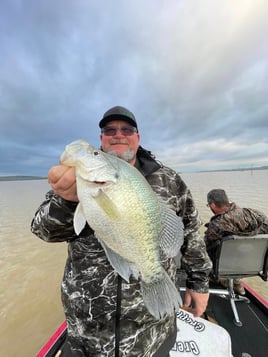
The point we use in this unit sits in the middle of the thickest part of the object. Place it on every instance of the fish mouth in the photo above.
(102, 183)
(99, 182)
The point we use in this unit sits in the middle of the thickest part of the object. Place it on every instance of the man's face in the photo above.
(120, 144)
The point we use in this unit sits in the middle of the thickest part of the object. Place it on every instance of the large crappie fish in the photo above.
(135, 228)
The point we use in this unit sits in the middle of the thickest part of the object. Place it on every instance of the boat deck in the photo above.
(251, 339)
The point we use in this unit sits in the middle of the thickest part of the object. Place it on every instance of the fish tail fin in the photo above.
(161, 297)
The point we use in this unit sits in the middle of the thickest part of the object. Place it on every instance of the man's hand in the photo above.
(63, 182)
(200, 301)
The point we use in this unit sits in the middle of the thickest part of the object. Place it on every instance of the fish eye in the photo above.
(95, 153)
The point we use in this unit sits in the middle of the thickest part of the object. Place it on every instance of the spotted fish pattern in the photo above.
(89, 286)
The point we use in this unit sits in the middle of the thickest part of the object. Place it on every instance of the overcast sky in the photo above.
(194, 73)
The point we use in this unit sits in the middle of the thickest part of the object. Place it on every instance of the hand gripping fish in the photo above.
(135, 228)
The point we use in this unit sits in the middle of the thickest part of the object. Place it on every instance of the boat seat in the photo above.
(237, 257)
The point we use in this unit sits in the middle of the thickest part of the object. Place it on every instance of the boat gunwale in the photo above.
(53, 341)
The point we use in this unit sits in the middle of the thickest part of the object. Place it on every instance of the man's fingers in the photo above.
(67, 179)
(63, 182)
(187, 299)
(56, 172)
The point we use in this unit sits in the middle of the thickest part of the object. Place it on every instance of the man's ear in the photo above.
(214, 208)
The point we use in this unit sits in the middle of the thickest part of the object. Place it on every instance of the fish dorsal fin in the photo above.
(122, 266)
(107, 205)
(79, 219)
(172, 232)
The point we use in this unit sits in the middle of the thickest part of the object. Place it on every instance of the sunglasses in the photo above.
(125, 130)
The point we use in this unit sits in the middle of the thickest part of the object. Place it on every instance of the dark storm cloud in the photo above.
(195, 74)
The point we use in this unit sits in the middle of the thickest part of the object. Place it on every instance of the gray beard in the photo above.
(127, 156)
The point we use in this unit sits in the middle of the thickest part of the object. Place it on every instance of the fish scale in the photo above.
(129, 220)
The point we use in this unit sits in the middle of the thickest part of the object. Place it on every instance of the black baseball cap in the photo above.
(118, 113)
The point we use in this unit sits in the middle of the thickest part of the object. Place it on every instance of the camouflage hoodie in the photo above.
(89, 286)
(238, 221)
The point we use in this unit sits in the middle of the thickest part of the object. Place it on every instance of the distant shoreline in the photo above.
(226, 170)
(25, 177)
(240, 169)
(21, 178)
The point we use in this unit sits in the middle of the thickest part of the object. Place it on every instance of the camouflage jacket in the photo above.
(237, 221)
(89, 286)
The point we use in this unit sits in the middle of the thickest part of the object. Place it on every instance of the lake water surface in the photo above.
(31, 270)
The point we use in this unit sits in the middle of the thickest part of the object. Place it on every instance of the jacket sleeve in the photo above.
(213, 232)
(53, 220)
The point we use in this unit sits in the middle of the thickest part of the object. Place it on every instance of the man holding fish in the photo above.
(125, 217)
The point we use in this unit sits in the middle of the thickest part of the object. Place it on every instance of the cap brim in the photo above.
(106, 120)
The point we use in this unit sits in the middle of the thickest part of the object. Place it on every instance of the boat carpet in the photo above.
(251, 339)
